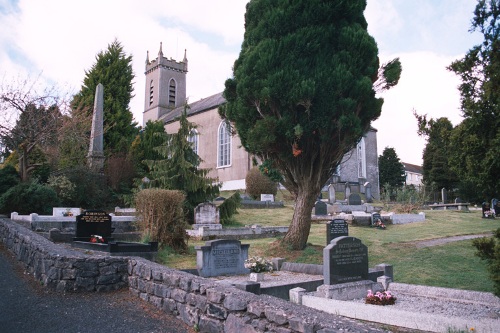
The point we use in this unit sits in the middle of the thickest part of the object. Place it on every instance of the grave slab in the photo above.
(222, 257)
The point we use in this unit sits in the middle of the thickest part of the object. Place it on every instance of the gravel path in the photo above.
(444, 240)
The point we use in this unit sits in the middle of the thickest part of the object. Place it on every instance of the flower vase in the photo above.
(256, 277)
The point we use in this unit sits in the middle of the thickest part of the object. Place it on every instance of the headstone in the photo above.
(458, 200)
(345, 259)
(93, 222)
(95, 157)
(320, 208)
(496, 207)
(222, 257)
(331, 193)
(375, 218)
(267, 197)
(444, 195)
(206, 213)
(347, 190)
(354, 199)
(336, 228)
(486, 209)
(368, 192)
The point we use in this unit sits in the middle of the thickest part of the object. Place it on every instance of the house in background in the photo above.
(414, 174)
(165, 95)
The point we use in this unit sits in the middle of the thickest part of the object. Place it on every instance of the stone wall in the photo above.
(200, 302)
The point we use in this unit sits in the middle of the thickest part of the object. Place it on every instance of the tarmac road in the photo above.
(27, 307)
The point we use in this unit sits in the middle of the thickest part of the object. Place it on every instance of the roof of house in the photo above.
(205, 104)
(413, 168)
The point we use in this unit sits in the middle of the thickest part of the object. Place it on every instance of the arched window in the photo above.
(224, 145)
(361, 158)
(171, 93)
(193, 138)
(151, 92)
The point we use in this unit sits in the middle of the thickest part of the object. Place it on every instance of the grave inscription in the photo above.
(345, 259)
(222, 257)
(336, 228)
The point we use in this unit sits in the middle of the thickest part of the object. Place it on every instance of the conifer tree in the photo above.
(179, 169)
(391, 170)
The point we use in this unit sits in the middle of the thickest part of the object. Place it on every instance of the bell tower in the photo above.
(165, 87)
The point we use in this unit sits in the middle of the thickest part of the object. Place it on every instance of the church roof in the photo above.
(205, 104)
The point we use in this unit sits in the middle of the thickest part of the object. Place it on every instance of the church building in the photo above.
(165, 95)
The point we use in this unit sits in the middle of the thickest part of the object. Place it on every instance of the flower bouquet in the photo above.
(380, 298)
(96, 239)
(258, 265)
(378, 224)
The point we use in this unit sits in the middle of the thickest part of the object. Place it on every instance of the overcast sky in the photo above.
(60, 39)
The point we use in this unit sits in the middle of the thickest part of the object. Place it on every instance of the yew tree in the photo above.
(303, 92)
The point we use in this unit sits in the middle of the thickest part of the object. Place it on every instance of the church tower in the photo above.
(165, 87)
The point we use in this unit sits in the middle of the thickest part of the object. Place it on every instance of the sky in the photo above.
(58, 40)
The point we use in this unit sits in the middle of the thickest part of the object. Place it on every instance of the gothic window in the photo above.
(151, 92)
(193, 138)
(361, 158)
(224, 145)
(171, 93)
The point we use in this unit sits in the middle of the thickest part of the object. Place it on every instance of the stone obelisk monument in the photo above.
(95, 158)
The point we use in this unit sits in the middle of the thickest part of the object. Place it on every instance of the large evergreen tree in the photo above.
(391, 170)
(178, 169)
(477, 139)
(436, 166)
(113, 68)
(303, 92)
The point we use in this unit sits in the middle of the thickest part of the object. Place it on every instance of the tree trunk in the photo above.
(299, 229)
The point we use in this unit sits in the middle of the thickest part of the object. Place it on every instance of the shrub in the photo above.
(31, 197)
(229, 207)
(8, 178)
(257, 184)
(489, 249)
(159, 213)
(64, 188)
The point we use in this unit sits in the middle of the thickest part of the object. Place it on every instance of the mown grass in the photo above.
(452, 265)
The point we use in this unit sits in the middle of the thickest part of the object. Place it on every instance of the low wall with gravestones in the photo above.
(210, 306)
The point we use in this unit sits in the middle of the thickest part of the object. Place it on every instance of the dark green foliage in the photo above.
(178, 169)
(256, 184)
(29, 197)
(266, 168)
(114, 70)
(489, 249)
(91, 190)
(303, 92)
(144, 146)
(476, 159)
(437, 167)
(8, 178)
(391, 170)
(229, 207)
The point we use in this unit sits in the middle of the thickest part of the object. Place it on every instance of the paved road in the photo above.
(26, 307)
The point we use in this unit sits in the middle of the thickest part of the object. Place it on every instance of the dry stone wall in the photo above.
(200, 302)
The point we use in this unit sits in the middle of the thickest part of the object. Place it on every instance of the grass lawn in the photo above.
(451, 265)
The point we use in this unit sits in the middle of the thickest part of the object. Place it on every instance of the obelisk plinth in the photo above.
(95, 158)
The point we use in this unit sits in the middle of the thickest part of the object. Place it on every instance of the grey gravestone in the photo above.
(222, 257)
(267, 197)
(347, 190)
(93, 222)
(331, 193)
(368, 192)
(336, 228)
(95, 157)
(444, 195)
(206, 213)
(375, 217)
(345, 259)
(495, 204)
(458, 200)
(486, 208)
(354, 199)
(320, 208)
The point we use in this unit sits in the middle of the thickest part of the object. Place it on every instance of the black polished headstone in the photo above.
(336, 228)
(375, 217)
(345, 259)
(93, 222)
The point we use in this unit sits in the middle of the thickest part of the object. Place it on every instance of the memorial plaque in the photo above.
(320, 208)
(93, 222)
(345, 259)
(336, 228)
(222, 257)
